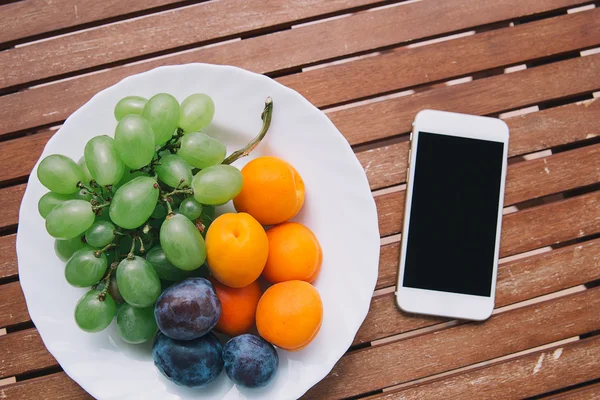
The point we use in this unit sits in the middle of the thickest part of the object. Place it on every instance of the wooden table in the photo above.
(371, 65)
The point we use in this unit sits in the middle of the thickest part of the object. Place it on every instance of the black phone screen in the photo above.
(454, 214)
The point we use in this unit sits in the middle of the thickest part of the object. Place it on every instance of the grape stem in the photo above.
(142, 249)
(171, 143)
(266, 118)
(91, 191)
(97, 207)
(106, 279)
(97, 253)
(131, 254)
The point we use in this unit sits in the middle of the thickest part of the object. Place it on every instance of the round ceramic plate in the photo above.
(339, 209)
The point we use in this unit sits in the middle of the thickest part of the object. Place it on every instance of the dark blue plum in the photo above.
(191, 363)
(250, 361)
(188, 309)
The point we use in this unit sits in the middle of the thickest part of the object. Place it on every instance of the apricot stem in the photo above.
(266, 118)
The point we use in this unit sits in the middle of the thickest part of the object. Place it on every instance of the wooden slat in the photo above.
(519, 280)
(21, 155)
(13, 309)
(33, 17)
(407, 67)
(12, 196)
(560, 366)
(387, 118)
(388, 265)
(23, 351)
(591, 392)
(505, 333)
(288, 49)
(8, 261)
(204, 23)
(55, 386)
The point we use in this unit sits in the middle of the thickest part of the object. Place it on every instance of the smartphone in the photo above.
(453, 215)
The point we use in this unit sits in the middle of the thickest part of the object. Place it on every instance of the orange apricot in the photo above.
(238, 307)
(236, 249)
(294, 254)
(273, 191)
(289, 314)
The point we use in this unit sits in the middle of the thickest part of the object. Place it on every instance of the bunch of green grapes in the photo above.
(130, 215)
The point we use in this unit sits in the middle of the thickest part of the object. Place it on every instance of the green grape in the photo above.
(138, 283)
(85, 269)
(134, 202)
(162, 111)
(134, 141)
(160, 211)
(136, 325)
(70, 219)
(164, 269)
(100, 234)
(92, 314)
(60, 174)
(103, 161)
(174, 171)
(87, 176)
(50, 200)
(129, 105)
(196, 112)
(201, 151)
(182, 243)
(217, 184)
(66, 248)
(190, 208)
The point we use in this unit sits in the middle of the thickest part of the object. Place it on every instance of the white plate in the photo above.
(339, 209)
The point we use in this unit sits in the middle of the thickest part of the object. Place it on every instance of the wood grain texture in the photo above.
(388, 265)
(204, 23)
(517, 281)
(51, 103)
(505, 333)
(55, 386)
(510, 91)
(33, 17)
(11, 196)
(23, 351)
(8, 261)
(13, 309)
(395, 70)
(560, 366)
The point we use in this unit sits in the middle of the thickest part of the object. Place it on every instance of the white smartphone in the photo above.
(453, 215)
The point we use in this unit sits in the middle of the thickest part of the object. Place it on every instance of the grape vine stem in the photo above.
(266, 118)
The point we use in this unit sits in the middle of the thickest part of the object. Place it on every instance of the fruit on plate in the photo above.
(238, 307)
(60, 174)
(95, 311)
(294, 254)
(85, 267)
(191, 363)
(188, 309)
(237, 249)
(136, 325)
(182, 243)
(273, 191)
(250, 361)
(137, 281)
(135, 220)
(289, 314)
